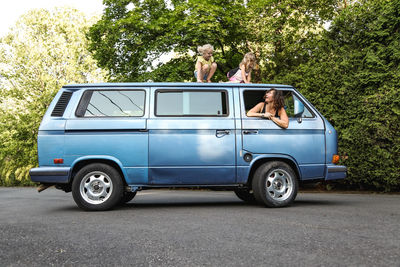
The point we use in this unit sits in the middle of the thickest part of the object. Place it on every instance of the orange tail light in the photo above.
(335, 159)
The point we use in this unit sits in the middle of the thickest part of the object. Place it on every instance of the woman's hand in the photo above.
(267, 115)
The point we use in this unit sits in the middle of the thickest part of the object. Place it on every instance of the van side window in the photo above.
(107, 103)
(191, 103)
(293, 106)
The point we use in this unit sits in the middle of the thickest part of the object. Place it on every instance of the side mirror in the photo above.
(298, 107)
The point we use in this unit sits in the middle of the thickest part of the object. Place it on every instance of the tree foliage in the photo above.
(132, 34)
(44, 51)
(353, 77)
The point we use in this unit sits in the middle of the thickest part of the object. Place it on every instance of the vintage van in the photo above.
(106, 142)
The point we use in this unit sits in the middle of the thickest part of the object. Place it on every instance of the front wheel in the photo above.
(275, 184)
(97, 187)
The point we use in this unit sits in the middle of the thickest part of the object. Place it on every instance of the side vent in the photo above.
(61, 105)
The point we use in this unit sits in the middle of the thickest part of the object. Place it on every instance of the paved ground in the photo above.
(199, 228)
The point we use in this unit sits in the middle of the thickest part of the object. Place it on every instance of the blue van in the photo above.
(106, 142)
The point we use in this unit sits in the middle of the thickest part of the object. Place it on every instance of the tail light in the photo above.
(335, 159)
(58, 161)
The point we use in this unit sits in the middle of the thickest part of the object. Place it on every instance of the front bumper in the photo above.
(335, 172)
(56, 175)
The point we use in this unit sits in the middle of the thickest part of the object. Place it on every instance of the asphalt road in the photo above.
(199, 228)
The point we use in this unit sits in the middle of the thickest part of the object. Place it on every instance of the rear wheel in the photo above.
(97, 187)
(245, 194)
(275, 184)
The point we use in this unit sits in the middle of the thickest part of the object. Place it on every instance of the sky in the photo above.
(11, 10)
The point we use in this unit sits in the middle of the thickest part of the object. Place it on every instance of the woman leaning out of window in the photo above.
(272, 108)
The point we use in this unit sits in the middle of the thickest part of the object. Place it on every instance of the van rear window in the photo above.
(191, 103)
(112, 103)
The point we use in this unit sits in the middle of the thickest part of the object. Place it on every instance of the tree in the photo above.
(132, 34)
(353, 77)
(280, 29)
(45, 50)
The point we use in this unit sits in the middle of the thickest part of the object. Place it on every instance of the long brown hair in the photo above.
(279, 100)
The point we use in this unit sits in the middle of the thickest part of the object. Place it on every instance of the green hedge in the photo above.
(353, 78)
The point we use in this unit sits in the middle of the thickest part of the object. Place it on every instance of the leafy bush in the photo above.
(353, 78)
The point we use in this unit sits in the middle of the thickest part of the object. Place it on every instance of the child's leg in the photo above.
(202, 74)
(212, 71)
(205, 70)
(196, 76)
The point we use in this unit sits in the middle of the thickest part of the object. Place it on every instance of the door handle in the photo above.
(220, 133)
(250, 131)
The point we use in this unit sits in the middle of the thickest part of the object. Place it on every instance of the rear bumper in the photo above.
(335, 172)
(56, 175)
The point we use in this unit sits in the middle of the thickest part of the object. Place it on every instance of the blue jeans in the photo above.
(204, 78)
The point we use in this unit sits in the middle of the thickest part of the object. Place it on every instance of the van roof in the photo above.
(170, 84)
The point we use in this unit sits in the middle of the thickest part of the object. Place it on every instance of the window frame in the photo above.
(293, 92)
(84, 103)
(226, 99)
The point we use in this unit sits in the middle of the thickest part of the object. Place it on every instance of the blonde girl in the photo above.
(243, 73)
(205, 65)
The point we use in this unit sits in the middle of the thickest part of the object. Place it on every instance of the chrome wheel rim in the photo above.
(96, 187)
(279, 185)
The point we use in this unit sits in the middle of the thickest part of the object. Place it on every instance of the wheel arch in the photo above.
(260, 160)
(84, 161)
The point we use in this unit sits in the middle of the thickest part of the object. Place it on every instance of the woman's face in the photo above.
(207, 54)
(269, 96)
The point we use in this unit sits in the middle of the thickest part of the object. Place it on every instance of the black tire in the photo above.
(97, 187)
(275, 184)
(126, 197)
(245, 194)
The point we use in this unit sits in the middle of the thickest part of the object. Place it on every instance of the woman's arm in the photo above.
(283, 122)
(256, 111)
